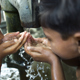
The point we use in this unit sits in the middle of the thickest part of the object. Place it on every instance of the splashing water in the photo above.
(36, 70)
(9, 73)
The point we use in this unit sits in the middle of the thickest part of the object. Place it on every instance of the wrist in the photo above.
(55, 60)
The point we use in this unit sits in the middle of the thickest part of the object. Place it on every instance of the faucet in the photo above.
(28, 12)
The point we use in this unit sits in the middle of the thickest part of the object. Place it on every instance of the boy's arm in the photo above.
(57, 71)
(46, 55)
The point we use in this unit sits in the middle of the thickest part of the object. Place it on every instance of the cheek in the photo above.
(65, 52)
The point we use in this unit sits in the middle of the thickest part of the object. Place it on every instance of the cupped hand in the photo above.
(44, 41)
(38, 41)
(39, 50)
(12, 46)
(41, 54)
(10, 36)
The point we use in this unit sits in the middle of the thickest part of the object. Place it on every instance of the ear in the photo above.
(77, 37)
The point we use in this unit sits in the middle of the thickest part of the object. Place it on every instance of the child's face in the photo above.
(66, 49)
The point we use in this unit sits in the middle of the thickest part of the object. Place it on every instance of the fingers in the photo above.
(15, 35)
(4, 46)
(12, 34)
(8, 43)
(25, 47)
(32, 52)
(29, 40)
(24, 40)
(23, 33)
(13, 48)
(44, 41)
(35, 55)
(39, 39)
(35, 49)
(18, 36)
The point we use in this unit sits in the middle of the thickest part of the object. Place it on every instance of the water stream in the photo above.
(35, 70)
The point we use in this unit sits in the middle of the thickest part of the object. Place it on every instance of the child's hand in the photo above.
(41, 54)
(44, 41)
(10, 36)
(12, 46)
(39, 50)
(38, 41)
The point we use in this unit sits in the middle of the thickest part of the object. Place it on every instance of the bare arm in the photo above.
(46, 55)
(57, 71)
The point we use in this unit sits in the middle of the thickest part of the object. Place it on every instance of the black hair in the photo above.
(62, 16)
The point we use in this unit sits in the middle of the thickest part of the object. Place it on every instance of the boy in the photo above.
(60, 20)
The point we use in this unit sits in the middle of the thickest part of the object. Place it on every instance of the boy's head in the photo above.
(60, 20)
